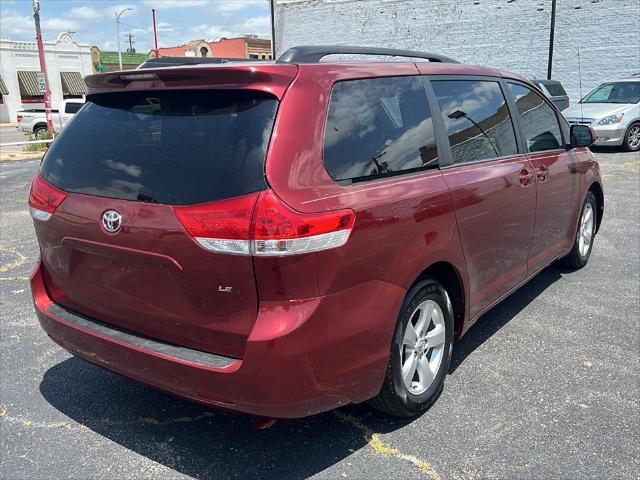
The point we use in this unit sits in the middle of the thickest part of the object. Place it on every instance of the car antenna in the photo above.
(580, 86)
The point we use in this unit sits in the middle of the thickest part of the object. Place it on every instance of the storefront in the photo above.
(68, 62)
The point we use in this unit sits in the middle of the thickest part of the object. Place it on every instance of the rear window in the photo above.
(176, 148)
(555, 89)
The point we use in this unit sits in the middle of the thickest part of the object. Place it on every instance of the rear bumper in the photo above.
(302, 357)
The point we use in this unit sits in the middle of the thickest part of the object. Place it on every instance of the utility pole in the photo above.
(43, 68)
(155, 32)
(551, 35)
(129, 37)
(118, 34)
(273, 29)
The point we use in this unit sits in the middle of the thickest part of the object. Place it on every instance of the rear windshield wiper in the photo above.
(146, 198)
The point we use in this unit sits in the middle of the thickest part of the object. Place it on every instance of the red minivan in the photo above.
(282, 238)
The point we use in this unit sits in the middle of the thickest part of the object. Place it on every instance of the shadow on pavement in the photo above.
(206, 443)
(501, 314)
(201, 442)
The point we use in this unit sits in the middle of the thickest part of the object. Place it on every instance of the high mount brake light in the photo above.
(130, 77)
(44, 198)
(261, 224)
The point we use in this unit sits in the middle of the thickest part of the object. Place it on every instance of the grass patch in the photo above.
(37, 147)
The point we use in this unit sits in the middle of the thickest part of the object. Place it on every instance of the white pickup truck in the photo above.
(35, 121)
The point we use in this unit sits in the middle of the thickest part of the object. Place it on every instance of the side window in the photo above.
(377, 127)
(477, 119)
(72, 107)
(539, 122)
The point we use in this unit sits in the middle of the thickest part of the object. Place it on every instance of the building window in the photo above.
(73, 85)
(253, 55)
(203, 52)
(3, 89)
(29, 89)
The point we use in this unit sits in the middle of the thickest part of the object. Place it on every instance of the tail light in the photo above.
(19, 117)
(261, 224)
(279, 230)
(44, 198)
(221, 226)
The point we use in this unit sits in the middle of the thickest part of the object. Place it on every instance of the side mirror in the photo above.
(582, 136)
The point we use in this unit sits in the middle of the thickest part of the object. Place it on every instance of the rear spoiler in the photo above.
(270, 78)
(177, 61)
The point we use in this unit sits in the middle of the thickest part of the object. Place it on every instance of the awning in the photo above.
(3, 87)
(72, 83)
(28, 82)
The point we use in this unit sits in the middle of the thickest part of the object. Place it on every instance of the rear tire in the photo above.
(631, 141)
(39, 131)
(585, 233)
(420, 352)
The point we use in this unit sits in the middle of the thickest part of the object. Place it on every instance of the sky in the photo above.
(178, 21)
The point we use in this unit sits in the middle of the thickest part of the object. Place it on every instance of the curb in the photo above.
(18, 156)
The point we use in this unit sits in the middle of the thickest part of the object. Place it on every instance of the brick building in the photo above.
(508, 34)
(249, 46)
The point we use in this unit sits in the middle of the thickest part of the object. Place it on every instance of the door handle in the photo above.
(543, 173)
(526, 177)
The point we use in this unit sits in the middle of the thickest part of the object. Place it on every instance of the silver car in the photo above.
(613, 111)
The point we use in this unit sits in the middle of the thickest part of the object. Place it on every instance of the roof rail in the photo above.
(313, 53)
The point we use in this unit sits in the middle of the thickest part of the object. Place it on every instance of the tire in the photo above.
(585, 233)
(432, 351)
(631, 141)
(38, 131)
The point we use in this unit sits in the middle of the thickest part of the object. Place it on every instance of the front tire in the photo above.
(420, 352)
(586, 231)
(632, 138)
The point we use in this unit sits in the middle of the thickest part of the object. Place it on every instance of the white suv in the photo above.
(613, 111)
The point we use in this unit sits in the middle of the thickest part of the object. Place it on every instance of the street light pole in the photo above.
(273, 29)
(118, 35)
(155, 33)
(551, 37)
(43, 68)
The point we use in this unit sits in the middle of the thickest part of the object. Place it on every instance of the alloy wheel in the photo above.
(423, 347)
(585, 235)
(633, 137)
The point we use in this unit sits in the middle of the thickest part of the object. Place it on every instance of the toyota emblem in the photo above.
(111, 221)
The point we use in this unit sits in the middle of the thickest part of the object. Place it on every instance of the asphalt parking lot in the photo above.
(545, 385)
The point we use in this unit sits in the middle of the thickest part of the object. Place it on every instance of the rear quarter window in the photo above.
(177, 148)
(378, 127)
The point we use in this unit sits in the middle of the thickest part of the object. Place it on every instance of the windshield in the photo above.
(171, 147)
(621, 92)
